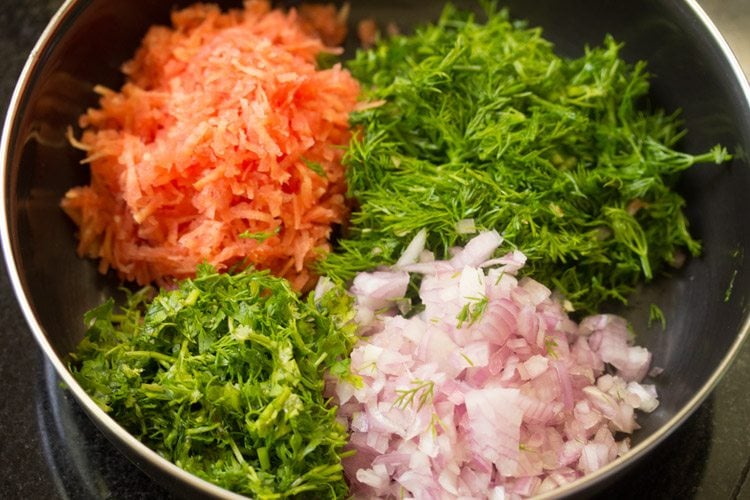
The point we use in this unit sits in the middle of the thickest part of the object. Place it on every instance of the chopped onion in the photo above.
(489, 389)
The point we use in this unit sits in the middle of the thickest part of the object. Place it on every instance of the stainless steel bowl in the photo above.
(706, 303)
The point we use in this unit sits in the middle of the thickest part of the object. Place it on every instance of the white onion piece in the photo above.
(379, 289)
(323, 285)
(478, 250)
(413, 250)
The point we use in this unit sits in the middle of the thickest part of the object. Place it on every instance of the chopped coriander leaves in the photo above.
(224, 377)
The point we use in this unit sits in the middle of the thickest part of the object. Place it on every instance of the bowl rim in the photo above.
(114, 432)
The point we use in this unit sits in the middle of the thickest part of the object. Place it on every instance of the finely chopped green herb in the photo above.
(484, 121)
(224, 377)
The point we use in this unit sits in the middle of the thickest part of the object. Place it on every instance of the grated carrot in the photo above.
(223, 146)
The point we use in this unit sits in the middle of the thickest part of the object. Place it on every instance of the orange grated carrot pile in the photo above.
(223, 146)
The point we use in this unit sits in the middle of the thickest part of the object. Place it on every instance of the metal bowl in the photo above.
(705, 303)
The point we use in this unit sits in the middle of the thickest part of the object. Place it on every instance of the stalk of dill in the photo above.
(484, 121)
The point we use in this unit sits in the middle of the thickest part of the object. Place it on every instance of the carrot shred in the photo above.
(224, 146)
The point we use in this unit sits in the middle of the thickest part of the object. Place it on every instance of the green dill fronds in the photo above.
(655, 314)
(259, 236)
(485, 122)
(315, 167)
(550, 344)
(730, 287)
(422, 391)
(471, 311)
(467, 359)
(436, 424)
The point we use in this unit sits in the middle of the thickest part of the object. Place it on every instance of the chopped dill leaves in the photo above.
(316, 167)
(471, 311)
(259, 236)
(422, 391)
(730, 287)
(467, 359)
(484, 122)
(550, 344)
(435, 424)
(655, 314)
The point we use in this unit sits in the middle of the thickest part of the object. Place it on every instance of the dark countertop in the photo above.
(49, 449)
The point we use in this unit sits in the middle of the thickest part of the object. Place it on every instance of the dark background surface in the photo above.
(49, 448)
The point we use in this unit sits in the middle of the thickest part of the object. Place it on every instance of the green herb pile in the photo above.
(484, 121)
(224, 377)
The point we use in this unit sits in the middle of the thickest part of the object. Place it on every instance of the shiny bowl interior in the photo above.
(705, 303)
